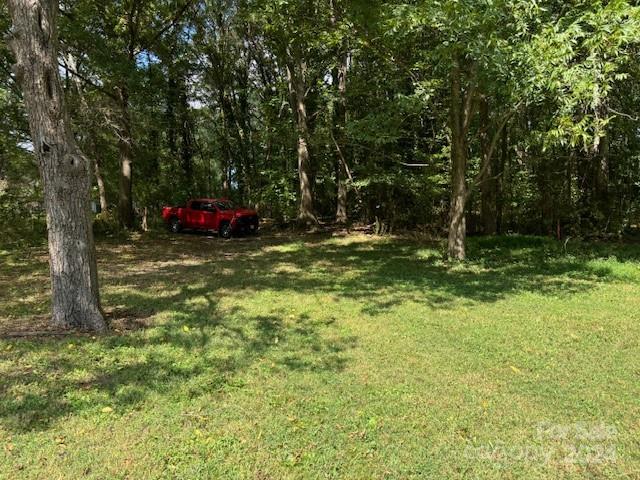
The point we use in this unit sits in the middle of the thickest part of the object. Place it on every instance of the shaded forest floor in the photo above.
(328, 357)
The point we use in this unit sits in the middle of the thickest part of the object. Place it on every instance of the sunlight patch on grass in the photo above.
(428, 254)
(287, 268)
(336, 357)
(613, 268)
(291, 247)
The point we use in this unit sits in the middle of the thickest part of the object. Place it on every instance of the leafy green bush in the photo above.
(23, 220)
(106, 224)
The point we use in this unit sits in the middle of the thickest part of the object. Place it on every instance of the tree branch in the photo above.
(414, 164)
(166, 28)
(479, 178)
(87, 81)
(343, 162)
(625, 115)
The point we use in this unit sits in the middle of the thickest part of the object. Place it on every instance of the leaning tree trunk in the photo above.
(457, 222)
(65, 171)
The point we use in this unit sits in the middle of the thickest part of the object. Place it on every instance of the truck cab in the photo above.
(211, 214)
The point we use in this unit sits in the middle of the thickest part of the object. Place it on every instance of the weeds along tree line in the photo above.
(451, 117)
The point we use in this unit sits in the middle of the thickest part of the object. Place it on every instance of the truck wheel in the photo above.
(225, 230)
(174, 225)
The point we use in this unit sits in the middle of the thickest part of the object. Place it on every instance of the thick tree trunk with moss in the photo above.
(64, 169)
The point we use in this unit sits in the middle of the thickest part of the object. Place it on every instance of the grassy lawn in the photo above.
(329, 357)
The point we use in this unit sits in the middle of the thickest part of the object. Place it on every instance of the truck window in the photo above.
(196, 205)
(208, 207)
(224, 205)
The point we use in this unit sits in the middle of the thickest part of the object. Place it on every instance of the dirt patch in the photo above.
(121, 321)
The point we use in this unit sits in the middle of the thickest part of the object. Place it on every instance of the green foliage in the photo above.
(211, 112)
(23, 222)
(577, 59)
(106, 224)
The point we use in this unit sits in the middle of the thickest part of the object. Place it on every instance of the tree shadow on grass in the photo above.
(381, 276)
(197, 351)
(193, 348)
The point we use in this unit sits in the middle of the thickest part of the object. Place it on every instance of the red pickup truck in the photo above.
(218, 215)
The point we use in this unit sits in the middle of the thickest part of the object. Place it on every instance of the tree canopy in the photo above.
(315, 110)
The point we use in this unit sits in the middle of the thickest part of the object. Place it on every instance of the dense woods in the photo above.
(459, 117)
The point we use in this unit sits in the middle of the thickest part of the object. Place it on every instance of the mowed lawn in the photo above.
(328, 357)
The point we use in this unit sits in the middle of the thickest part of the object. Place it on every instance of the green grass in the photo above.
(321, 357)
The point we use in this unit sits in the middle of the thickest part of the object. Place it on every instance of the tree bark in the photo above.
(125, 136)
(341, 208)
(457, 221)
(170, 113)
(341, 120)
(186, 130)
(601, 184)
(504, 153)
(102, 192)
(488, 208)
(65, 171)
(92, 143)
(297, 90)
(125, 143)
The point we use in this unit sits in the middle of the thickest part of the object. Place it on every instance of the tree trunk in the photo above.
(341, 209)
(457, 221)
(305, 214)
(504, 152)
(125, 143)
(102, 192)
(601, 184)
(92, 144)
(2, 163)
(170, 113)
(341, 120)
(186, 130)
(226, 145)
(488, 209)
(295, 75)
(245, 131)
(64, 169)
